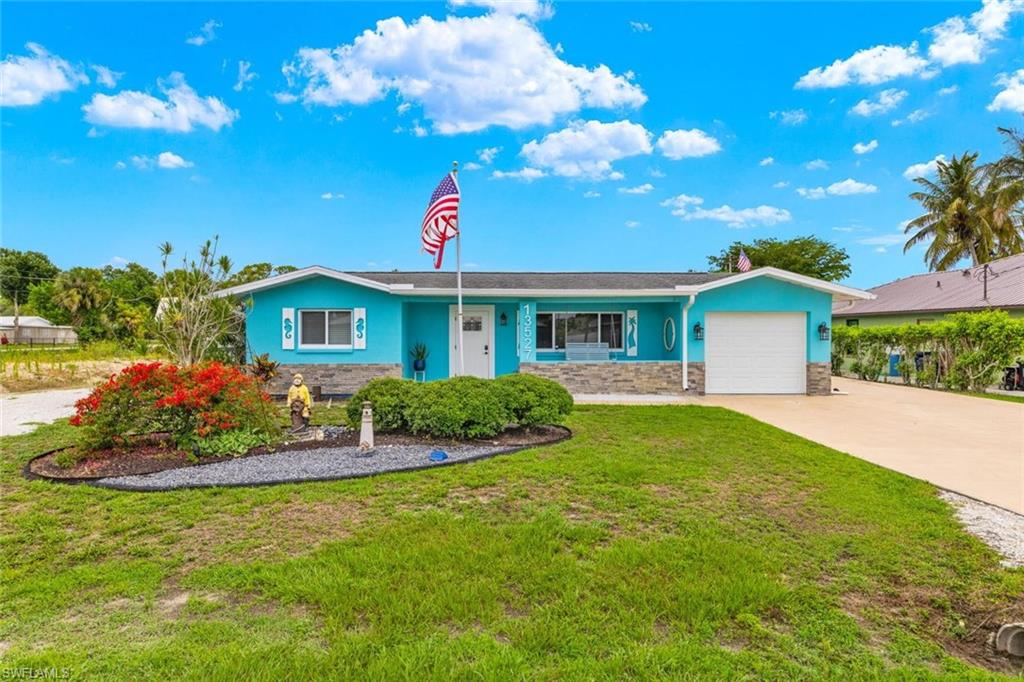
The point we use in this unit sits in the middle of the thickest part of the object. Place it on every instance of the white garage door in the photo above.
(755, 353)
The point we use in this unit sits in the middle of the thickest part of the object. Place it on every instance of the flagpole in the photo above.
(458, 271)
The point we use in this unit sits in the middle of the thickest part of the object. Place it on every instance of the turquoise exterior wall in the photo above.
(396, 323)
(765, 295)
(384, 327)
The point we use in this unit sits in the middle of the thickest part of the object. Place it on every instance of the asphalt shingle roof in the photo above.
(545, 280)
(944, 291)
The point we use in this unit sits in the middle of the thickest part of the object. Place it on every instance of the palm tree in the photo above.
(78, 291)
(1007, 179)
(962, 218)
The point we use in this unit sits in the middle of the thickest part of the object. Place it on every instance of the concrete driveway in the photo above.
(973, 446)
(22, 412)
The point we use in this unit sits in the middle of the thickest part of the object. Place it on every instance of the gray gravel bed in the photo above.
(321, 464)
(999, 528)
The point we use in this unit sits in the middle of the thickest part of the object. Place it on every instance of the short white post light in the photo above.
(366, 428)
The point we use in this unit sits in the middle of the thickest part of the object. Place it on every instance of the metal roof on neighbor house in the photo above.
(946, 291)
(25, 321)
(545, 280)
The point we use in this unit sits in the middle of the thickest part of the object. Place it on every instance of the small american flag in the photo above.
(743, 263)
(441, 221)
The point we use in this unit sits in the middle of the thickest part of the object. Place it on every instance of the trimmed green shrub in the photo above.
(532, 400)
(965, 351)
(462, 407)
(390, 398)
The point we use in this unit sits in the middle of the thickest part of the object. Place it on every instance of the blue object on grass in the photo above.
(438, 456)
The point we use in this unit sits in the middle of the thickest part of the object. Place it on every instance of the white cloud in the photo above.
(587, 149)
(865, 147)
(682, 144)
(780, 184)
(882, 240)
(532, 9)
(640, 27)
(790, 117)
(880, 249)
(766, 161)
(524, 174)
(954, 41)
(106, 77)
(849, 186)
(886, 101)
(1011, 98)
(467, 73)
(838, 189)
(180, 112)
(656, 172)
(591, 194)
(330, 196)
(244, 75)
(632, 223)
(811, 192)
(164, 160)
(871, 66)
(487, 154)
(816, 164)
(471, 166)
(686, 207)
(403, 107)
(117, 262)
(28, 80)
(639, 189)
(966, 41)
(207, 33)
(170, 160)
(918, 170)
(915, 116)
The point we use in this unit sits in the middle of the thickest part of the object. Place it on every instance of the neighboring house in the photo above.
(920, 299)
(35, 330)
(763, 331)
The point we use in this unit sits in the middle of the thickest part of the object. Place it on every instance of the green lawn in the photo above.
(660, 542)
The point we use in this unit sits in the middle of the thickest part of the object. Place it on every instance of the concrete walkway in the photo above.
(973, 446)
(22, 412)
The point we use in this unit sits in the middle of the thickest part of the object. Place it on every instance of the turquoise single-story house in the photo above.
(762, 331)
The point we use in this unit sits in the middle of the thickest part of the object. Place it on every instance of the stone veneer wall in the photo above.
(819, 378)
(613, 377)
(333, 379)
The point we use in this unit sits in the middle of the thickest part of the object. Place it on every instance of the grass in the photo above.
(660, 542)
(33, 369)
(1000, 396)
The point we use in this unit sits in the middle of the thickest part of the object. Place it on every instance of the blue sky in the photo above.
(593, 136)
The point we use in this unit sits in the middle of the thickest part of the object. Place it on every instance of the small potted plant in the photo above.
(419, 355)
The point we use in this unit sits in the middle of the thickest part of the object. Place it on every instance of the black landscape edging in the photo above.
(94, 480)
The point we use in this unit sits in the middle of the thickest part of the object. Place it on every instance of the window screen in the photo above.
(312, 323)
(339, 327)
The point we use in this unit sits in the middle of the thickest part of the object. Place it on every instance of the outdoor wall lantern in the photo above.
(823, 331)
(698, 332)
(503, 320)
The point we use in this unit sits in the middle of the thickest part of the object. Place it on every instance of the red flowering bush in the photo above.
(194, 404)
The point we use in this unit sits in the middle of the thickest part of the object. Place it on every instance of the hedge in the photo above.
(461, 407)
(963, 352)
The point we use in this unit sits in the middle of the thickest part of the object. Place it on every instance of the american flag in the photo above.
(441, 221)
(743, 263)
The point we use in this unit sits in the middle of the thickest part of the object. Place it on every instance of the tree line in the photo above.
(115, 302)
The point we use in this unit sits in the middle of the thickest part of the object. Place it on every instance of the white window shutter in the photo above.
(288, 330)
(359, 328)
(632, 334)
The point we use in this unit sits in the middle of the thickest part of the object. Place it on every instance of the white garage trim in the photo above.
(755, 352)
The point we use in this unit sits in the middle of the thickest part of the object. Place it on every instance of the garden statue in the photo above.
(300, 403)
(366, 428)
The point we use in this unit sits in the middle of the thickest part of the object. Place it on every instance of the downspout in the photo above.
(686, 345)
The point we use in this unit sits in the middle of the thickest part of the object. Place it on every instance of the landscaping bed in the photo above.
(154, 457)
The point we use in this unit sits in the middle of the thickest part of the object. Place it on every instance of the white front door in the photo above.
(755, 353)
(478, 337)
